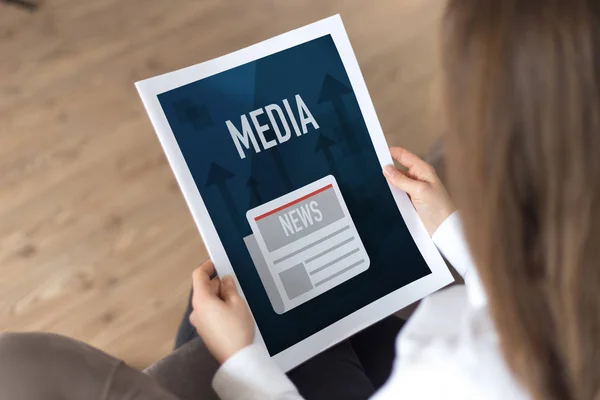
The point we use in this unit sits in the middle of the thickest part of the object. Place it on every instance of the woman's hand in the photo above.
(421, 183)
(220, 315)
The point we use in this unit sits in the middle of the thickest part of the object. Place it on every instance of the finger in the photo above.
(208, 267)
(215, 286)
(201, 279)
(229, 292)
(414, 163)
(401, 181)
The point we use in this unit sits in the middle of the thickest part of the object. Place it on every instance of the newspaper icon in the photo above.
(308, 243)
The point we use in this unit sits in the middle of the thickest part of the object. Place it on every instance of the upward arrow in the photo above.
(324, 144)
(287, 182)
(255, 197)
(218, 176)
(188, 112)
(332, 91)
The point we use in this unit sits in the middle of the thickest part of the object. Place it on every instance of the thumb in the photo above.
(228, 289)
(401, 181)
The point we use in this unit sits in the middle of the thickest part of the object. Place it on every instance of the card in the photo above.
(309, 242)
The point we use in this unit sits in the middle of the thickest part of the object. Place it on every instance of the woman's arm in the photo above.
(223, 321)
(438, 213)
(449, 239)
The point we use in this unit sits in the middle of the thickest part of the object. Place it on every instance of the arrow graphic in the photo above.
(332, 91)
(218, 176)
(281, 168)
(255, 197)
(324, 144)
(188, 112)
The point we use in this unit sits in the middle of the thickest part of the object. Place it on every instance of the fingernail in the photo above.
(390, 170)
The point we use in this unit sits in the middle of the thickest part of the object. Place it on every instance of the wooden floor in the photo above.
(96, 241)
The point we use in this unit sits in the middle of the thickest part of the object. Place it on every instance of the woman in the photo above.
(522, 102)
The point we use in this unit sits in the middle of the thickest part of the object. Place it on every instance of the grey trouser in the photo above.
(38, 366)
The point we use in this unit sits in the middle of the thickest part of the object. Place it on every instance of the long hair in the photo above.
(522, 108)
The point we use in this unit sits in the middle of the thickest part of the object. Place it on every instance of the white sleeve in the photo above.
(250, 374)
(450, 240)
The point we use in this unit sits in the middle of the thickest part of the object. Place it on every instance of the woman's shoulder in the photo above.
(450, 349)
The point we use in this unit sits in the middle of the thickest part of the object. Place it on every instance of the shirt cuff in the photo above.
(251, 374)
(450, 240)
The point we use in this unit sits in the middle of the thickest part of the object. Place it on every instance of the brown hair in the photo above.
(522, 103)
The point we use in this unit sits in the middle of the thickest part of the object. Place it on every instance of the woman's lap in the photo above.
(353, 369)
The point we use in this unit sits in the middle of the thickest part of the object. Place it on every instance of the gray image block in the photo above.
(295, 281)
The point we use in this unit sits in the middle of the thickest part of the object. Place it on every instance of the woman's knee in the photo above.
(18, 347)
(37, 349)
(50, 367)
(45, 365)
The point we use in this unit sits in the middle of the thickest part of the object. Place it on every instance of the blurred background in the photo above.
(96, 241)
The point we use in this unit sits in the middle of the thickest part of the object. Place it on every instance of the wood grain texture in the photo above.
(96, 241)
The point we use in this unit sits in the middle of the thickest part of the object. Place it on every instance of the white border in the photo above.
(149, 89)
